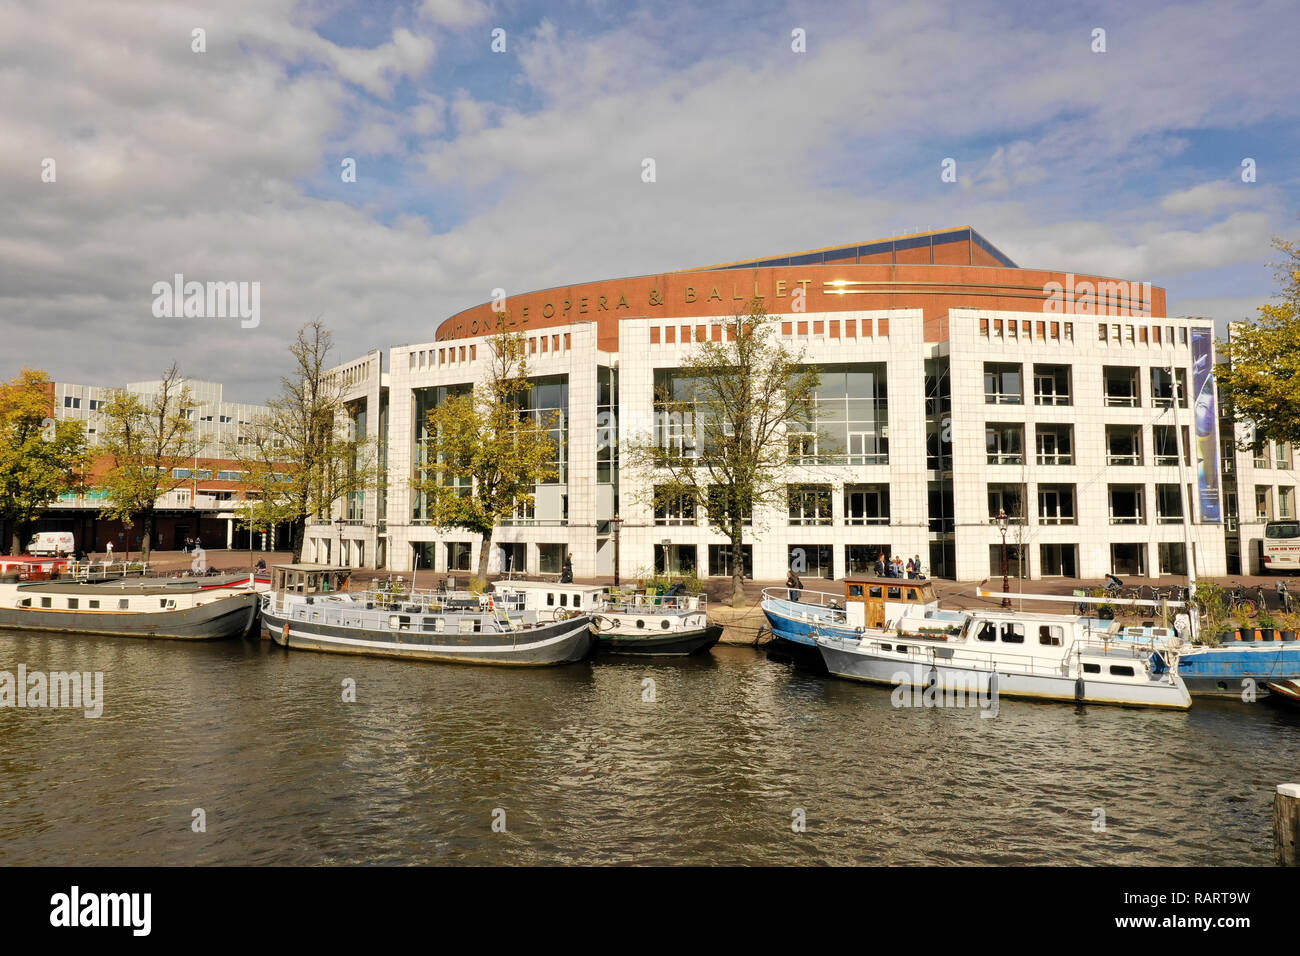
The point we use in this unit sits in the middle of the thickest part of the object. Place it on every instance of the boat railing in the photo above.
(822, 599)
(390, 619)
(652, 603)
(428, 600)
(966, 655)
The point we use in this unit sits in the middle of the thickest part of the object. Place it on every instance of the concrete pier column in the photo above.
(1286, 824)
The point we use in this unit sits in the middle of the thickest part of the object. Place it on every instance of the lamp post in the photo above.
(1003, 522)
(338, 523)
(616, 521)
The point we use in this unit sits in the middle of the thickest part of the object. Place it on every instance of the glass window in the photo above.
(1004, 443)
(1002, 384)
(866, 504)
(722, 562)
(1162, 388)
(1120, 384)
(1055, 444)
(809, 504)
(1051, 385)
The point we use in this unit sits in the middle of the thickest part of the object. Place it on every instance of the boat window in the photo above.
(988, 632)
(45, 602)
(564, 600)
(1052, 635)
(895, 594)
(123, 604)
(911, 594)
(27, 602)
(886, 647)
(94, 605)
(875, 592)
(855, 590)
(1121, 670)
(577, 600)
(73, 604)
(1092, 668)
(550, 598)
(1013, 634)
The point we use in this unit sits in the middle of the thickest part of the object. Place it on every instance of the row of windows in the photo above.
(1017, 329)
(1121, 386)
(1004, 444)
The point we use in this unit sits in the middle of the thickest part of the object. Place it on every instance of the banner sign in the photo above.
(1207, 425)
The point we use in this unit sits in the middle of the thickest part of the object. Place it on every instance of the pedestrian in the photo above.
(916, 559)
(898, 567)
(793, 585)
(566, 573)
(880, 565)
(109, 546)
(911, 569)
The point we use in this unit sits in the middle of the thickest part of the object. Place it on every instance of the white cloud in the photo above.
(456, 13)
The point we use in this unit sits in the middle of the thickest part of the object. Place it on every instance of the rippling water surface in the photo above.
(712, 771)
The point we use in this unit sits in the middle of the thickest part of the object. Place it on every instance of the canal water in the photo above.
(725, 759)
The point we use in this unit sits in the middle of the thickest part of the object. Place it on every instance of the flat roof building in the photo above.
(955, 386)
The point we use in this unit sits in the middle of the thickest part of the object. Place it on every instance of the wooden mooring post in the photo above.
(1286, 824)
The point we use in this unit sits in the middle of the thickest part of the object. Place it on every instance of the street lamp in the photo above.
(615, 522)
(1003, 522)
(339, 523)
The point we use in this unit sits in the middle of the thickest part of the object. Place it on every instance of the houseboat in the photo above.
(311, 607)
(634, 624)
(129, 608)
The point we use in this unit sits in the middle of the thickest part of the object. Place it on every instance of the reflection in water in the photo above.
(586, 771)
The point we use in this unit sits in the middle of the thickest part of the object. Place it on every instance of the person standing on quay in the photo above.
(793, 585)
(566, 573)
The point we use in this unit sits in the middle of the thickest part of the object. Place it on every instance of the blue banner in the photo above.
(1207, 425)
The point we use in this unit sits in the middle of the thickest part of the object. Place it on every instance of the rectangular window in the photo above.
(1009, 499)
(866, 504)
(1055, 444)
(811, 560)
(673, 509)
(720, 506)
(1263, 503)
(1283, 456)
(1162, 388)
(550, 558)
(1173, 557)
(862, 558)
(1127, 504)
(1004, 443)
(1286, 502)
(809, 504)
(1120, 384)
(1058, 560)
(1169, 504)
(1051, 385)
(722, 563)
(1016, 566)
(1056, 504)
(458, 555)
(1128, 559)
(1123, 445)
(1166, 445)
(1002, 384)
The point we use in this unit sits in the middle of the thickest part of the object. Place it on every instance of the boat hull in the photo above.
(563, 642)
(222, 618)
(957, 678)
(1225, 671)
(680, 644)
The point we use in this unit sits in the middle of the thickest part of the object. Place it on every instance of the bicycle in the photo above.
(1284, 598)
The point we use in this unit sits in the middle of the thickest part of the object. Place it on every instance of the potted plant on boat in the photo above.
(1245, 627)
(1215, 619)
(1267, 625)
(1289, 623)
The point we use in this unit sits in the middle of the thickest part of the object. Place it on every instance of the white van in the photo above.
(52, 543)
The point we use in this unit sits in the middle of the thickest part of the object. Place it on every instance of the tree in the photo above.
(40, 458)
(1258, 379)
(487, 451)
(302, 455)
(148, 439)
(719, 441)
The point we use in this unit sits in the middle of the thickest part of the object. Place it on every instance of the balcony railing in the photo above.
(1124, 460)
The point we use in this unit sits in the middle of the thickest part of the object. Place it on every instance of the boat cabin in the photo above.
(879, 600)
(542, 595)
(309, 579)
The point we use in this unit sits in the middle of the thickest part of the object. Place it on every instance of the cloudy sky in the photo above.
(521, 169)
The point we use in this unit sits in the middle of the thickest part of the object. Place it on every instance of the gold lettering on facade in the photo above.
(690, 293)
(804, 283)
(735, 294)
(548, 310)
(656, 297)
(582, 305)
(622, 301)
(715, 294)
(757, 294)
(780, 288)
(600, 304)
(567, 306)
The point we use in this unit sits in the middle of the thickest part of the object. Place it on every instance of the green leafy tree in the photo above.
(742, 395)
(1258, 379)
(40, 458)
(486, 451)
(302, 455)
(147, 438)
